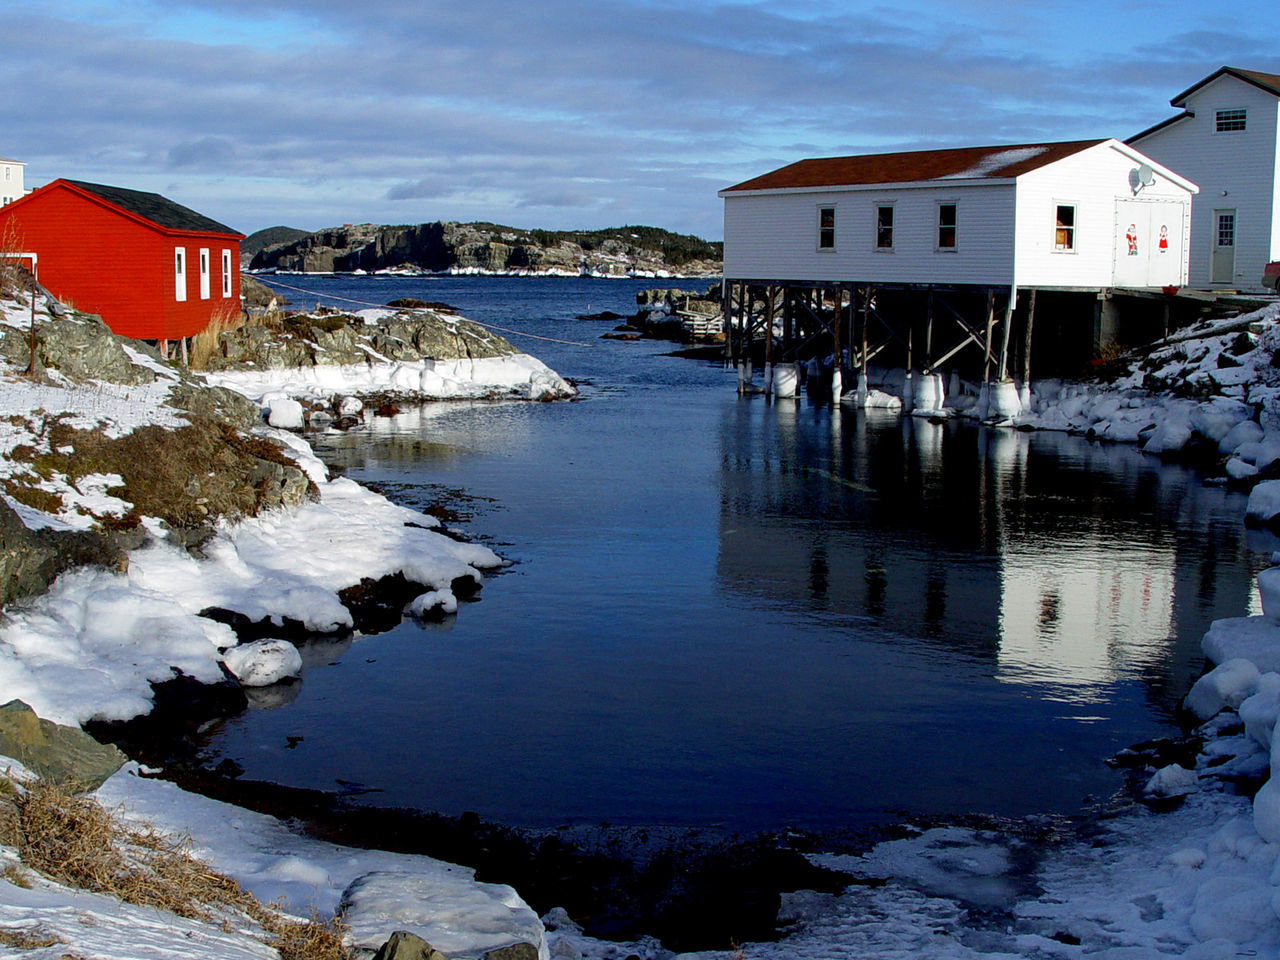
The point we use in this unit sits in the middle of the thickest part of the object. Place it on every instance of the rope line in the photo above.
(383, 306)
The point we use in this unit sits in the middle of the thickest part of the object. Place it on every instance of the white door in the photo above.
(1148, 248)
(1223, 269)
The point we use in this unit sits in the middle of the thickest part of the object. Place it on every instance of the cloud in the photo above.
(316, 112)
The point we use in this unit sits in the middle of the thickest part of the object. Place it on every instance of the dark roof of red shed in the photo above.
(998, 162)
(151, 206)
(1269, 82)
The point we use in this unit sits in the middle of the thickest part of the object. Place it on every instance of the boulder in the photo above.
(63, 755)
(404, 945)
(80, 347)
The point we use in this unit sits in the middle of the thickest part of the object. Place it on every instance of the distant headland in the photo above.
(483, 248)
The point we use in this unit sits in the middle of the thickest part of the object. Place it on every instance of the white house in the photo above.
(1225, 140)
(1084, 215)
(10, 180)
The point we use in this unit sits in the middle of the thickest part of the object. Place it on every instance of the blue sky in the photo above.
(564, 114)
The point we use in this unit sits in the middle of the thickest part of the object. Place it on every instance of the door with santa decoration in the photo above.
(1149, 241)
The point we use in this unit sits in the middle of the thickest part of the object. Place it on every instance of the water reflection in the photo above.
(1060, 563)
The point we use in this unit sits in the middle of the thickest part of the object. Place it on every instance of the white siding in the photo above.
(775, 236)
(11, 188)
(1096, 182)
(1235, 171)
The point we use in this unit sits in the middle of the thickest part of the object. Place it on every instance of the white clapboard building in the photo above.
(1227, 139)
(1083, 215)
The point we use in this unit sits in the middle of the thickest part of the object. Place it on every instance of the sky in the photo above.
(561, 114)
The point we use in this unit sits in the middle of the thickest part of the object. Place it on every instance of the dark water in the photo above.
(723, 611)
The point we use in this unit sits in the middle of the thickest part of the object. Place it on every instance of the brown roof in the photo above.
(1009, 160)
(1269, 82)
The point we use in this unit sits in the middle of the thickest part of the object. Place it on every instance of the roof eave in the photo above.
(138, 218)
(1184, 115)
(867, 187)
(1181, 99)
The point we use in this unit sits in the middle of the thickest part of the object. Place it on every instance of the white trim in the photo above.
(204, 273)
(180, 273)
(226, 273)
(835, 221)
(938, 225)
(893, 226)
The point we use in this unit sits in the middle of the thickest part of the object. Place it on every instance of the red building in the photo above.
(151, 268)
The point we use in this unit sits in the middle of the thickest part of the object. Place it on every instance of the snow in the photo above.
(440, 901)
(1264, 502)
(1226, 685)
(516, 376)
(263, 662)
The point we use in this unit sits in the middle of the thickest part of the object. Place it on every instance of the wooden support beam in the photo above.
(1026, 345)
(991, 320)
(1004, 335)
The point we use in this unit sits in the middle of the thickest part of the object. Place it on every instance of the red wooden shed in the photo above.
(151, 268)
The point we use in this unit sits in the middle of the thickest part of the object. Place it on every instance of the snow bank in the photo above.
(439, 901)
(517, 376)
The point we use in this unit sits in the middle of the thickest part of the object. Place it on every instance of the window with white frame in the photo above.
(947, 223)
(226, 273)
(204, 273)
(1230, 121)
(884, 226)
(1064, 228)
(826, 228)
(8, 173)
(180, 273)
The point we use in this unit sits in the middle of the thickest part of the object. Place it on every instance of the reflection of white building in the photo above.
(950, 536)
(11, 187)
(1081, 616)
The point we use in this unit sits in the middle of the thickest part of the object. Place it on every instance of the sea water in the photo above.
(728, 612)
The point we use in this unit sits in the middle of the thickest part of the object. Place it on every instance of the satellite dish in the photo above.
(1140, 177)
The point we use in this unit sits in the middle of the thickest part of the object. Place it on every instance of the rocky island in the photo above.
(487, 248)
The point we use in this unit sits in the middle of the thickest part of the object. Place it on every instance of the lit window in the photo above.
(826, 228)
(884, 227)
(1226, 121)
(946, 226)
(1064, 231)
(180, 273)
(226, 273)
(204, 273)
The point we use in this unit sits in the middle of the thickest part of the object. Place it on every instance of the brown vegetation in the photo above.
(205, 343)
(74, 841)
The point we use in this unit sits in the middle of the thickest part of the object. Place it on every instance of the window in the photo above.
(1226, 121)
(226, 273)
(884, 227)
(204, 273)
(946, 226)
(1064, 231)
(1226, 230)
(180, 273)
(826, 228)
(8, 172)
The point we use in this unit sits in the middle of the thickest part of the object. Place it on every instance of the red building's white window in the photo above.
(226, 273)
(204, 273)
(180, 273)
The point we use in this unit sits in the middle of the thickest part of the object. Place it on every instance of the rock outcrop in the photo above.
(330, 338)
(58, 754)
(489, 248)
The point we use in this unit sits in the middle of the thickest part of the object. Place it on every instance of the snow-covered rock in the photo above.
(1226, 685)
(1253, 638)
(1172, 781)
(464, 919)
(1264, 502)
(285, 414)
(263, 662)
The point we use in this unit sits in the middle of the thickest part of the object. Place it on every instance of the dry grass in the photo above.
(205, 343)
(14, 277)
(76, 842)
(27, 938)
